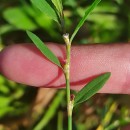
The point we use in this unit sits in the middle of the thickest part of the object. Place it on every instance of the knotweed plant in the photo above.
(54, 10)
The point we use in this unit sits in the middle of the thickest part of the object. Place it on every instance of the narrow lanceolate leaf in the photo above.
(58, 5)
(43, 48)
(46, 6)
(91, 88)
(87, 12)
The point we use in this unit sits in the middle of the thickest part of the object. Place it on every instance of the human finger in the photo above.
(24, 63)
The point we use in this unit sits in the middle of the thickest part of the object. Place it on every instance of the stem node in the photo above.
(70, 108)
(66, 70)
(66, 38)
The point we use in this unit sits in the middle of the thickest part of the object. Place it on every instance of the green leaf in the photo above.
(20, 20)
(44, 49)
(46, 6)
(91, 88)
(58, 5)
(87, 12)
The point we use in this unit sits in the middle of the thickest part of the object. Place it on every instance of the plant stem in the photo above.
(67, 77)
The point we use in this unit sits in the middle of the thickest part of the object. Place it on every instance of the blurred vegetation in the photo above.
(28, 108)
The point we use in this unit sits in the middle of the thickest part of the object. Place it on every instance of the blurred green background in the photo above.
(30, 108)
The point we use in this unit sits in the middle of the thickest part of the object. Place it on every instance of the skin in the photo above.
(24, 64)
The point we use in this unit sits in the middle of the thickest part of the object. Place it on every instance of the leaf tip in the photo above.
(108, 74)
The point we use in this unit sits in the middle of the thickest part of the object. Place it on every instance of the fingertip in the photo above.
(24, 63)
